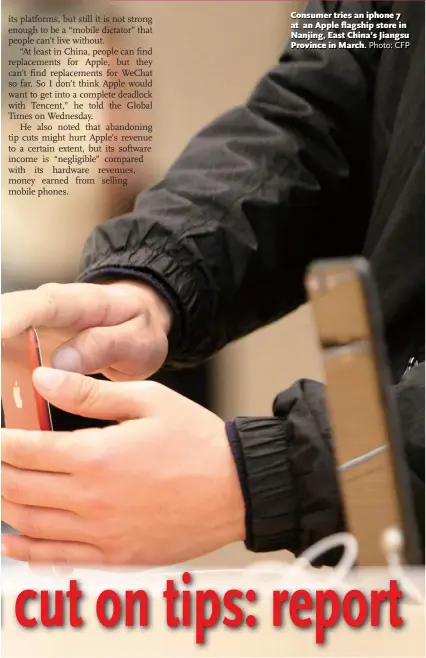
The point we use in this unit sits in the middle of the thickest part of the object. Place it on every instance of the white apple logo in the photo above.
(17, 396)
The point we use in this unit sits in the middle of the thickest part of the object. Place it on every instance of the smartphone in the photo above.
(373, 475)
(22, 406)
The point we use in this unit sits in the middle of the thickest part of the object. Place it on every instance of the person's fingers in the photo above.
(89, 397)
(77, 305)
(44, 523)
(135, 344)
(45, 551)
(55, 452)
(53, 490)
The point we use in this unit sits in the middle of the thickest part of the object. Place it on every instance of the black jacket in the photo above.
(326, 159)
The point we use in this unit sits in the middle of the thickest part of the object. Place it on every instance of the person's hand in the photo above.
(159, 488)
(119, 329)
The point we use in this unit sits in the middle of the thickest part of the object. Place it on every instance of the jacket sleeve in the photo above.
(255, 197)
(299, 502)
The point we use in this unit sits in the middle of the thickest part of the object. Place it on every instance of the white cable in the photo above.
(362, 458)
(347, 560)
(393, 544)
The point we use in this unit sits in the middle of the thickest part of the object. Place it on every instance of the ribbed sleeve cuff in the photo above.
(260, 450)
(154, 280)
(238, 455)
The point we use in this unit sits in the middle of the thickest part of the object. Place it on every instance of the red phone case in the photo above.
(23, 406)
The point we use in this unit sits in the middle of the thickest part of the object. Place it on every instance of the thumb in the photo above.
(138, 346)
(92, 398)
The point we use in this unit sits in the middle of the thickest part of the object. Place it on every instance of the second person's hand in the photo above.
(119, 328)
(158, 488)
